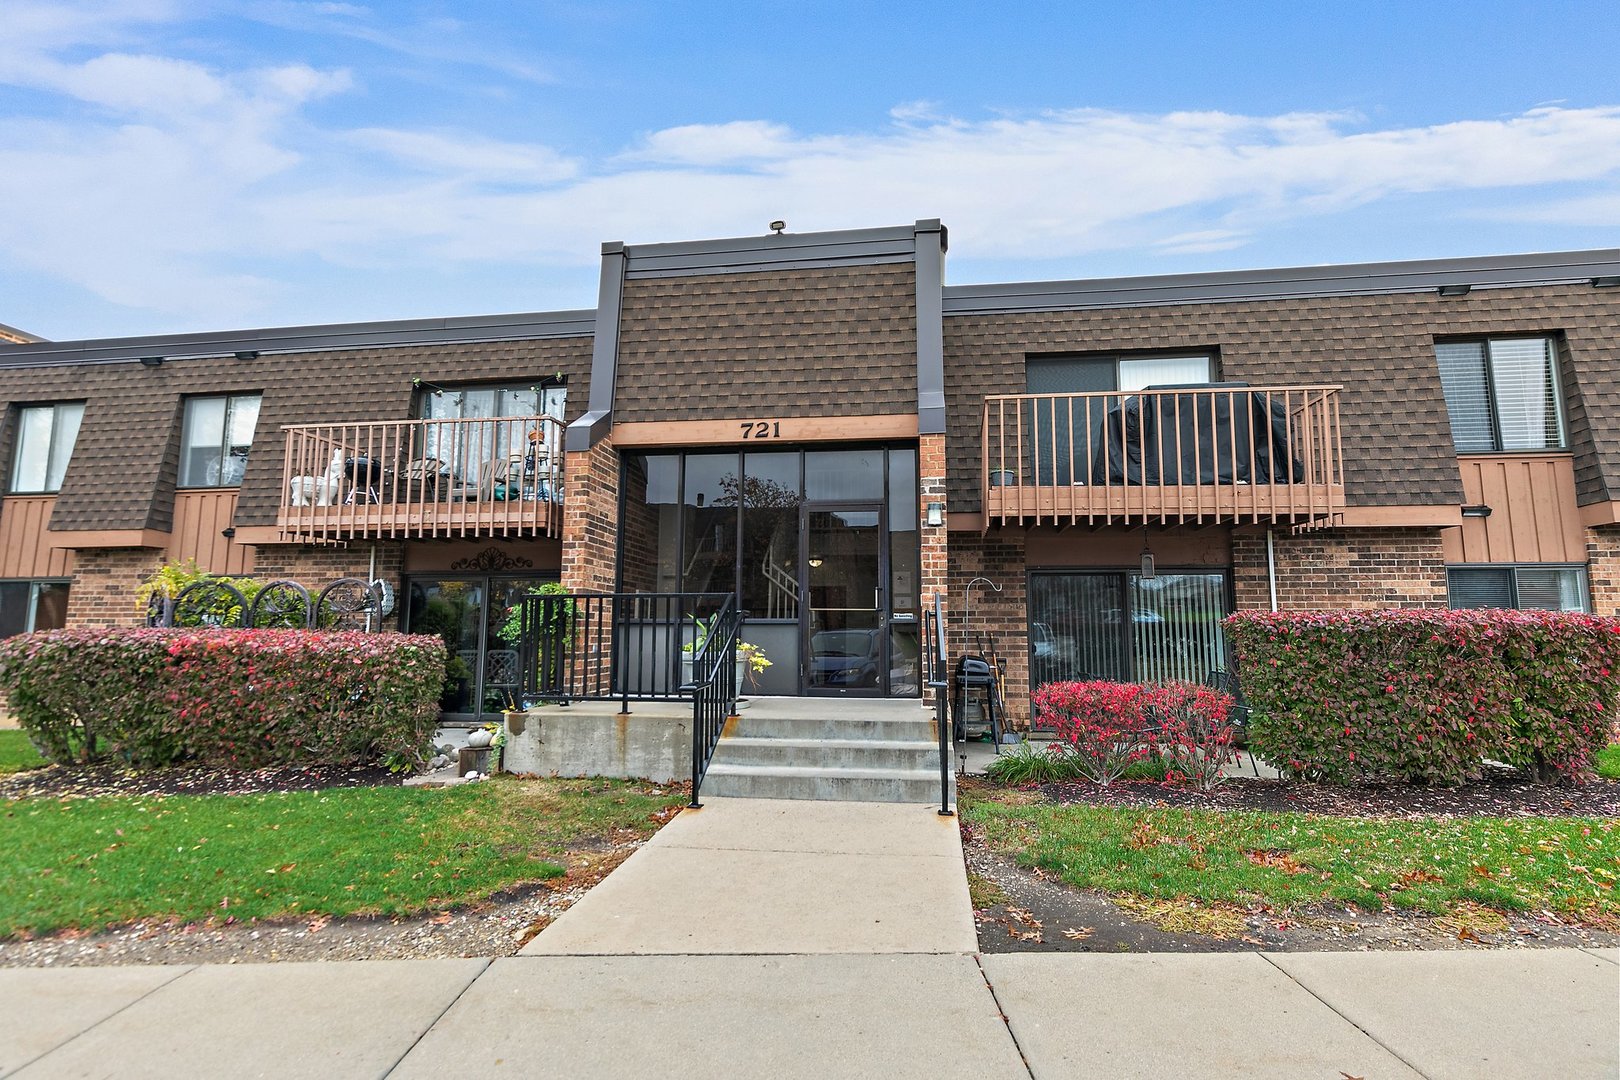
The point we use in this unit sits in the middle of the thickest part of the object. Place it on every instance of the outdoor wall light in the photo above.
(151, 361)
(1476, 511)
(936, 514)
(248, 354)
(1610, 282)
(778, 226)
(815, 561)
(1148, 573)
(1454, 290)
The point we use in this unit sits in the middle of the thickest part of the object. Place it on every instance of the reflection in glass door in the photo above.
(844, 609)
(475, 617)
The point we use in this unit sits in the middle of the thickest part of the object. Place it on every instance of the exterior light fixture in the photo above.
(1454, 290)
(1148, 573)
(936, 514)
(1476, 511)
(151, 361)
(815, 561)
(778, 226)
(1609, 282)
(248, 354)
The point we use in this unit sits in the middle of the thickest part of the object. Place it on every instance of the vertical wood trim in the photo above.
(25, 551)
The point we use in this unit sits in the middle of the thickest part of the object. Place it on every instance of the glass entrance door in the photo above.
(474, 615)
(844, 553)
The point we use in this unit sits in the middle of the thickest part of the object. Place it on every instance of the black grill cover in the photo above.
(1189, 438)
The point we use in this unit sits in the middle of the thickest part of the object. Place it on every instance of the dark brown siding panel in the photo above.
(1397, 438)
(803, 342)
(123, 471)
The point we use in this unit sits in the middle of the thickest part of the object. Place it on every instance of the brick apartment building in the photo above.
(817, 423)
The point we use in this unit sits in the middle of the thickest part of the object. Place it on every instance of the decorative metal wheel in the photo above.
(211, 602)
(281, 605)
(157, 609)
(349, 604)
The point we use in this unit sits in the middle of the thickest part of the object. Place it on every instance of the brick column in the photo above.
(1001, 617)
(1603, 568)
(590, 518)
(102, 591)
(934, 575)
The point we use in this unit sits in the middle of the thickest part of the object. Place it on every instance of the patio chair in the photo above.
(421, 479)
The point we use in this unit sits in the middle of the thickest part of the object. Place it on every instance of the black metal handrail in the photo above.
(713, 687)
(615, 646)
(938, 677)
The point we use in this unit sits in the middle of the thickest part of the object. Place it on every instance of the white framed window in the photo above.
(45, 437)
(1502, 394)
(215, 438)
(1529, 588)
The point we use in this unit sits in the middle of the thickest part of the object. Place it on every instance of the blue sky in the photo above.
(172, 165)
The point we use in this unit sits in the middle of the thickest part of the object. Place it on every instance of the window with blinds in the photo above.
(1501, 394)
(1529, 588)
(1119, 626)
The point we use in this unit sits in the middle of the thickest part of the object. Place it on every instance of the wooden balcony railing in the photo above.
(409, 479)
(1194, 455)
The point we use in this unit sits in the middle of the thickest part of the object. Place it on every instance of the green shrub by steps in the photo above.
(230, 698)
(1425, 696)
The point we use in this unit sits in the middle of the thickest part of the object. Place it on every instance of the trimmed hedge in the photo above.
(1424, 696)
(231, 698)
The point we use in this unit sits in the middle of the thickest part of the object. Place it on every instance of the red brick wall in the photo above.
(104, 583)
(1001, 618)
(1342, 568)
(933, 573)
(1603, 568)
(315, 567)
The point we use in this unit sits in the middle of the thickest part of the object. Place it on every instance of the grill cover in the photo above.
(1191, 437)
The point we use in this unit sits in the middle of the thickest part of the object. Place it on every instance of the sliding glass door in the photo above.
(1119, 626)
(474, 616)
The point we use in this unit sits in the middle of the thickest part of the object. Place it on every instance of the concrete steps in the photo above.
(857, 751)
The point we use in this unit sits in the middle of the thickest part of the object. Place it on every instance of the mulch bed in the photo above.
(89, 782)
(1501, 794)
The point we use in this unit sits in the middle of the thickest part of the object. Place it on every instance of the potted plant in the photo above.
(751, 662)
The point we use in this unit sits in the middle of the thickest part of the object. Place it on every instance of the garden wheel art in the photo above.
(350, 604)
(281, 605)
(213, 602)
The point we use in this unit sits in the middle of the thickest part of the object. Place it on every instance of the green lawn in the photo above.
(94, 862)
(1608, 763)
(1567, 865)
(17, 753)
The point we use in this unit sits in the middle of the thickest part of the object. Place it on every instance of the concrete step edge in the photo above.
(821, 772)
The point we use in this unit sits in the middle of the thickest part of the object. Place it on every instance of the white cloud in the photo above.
(466, 155)
(171, 185)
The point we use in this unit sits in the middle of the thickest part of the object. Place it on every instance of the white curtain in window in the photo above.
(1143, 372)
(30, 468)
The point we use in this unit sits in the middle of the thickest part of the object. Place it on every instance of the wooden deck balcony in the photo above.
(1206, 455)
(421, 479)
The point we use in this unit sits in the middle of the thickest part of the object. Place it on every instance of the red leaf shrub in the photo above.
(1103, 724)
(1424, 696)
(231, 698)
(1195, 734)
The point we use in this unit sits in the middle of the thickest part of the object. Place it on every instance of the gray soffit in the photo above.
(772, 252)
(289, 339)
(1491, 271)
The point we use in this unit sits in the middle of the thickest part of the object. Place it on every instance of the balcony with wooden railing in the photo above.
(1206, 455)
(422, 479)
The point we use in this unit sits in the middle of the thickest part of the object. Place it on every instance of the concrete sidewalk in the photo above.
(1506, 1015)
(819, 939)
(774, 876)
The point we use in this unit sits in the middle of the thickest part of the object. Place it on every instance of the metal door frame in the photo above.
(863, 506)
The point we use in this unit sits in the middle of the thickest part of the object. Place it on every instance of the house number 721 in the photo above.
(762, 429)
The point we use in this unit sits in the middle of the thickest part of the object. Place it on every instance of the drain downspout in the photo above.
(1271, 568)
(371, 575)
